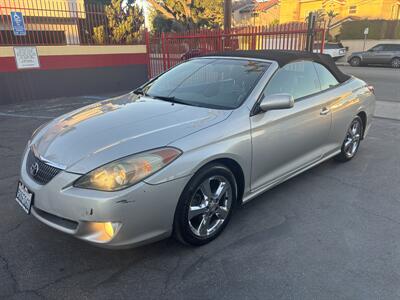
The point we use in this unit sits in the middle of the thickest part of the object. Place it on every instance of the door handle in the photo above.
(324, 111)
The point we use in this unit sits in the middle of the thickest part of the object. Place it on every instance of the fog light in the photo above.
(110, 229)
(103, 231)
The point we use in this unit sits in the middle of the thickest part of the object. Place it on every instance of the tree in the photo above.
(178, 15)
(320, 15)
(210, 12)
(99, 35)
(331, 14)
(124, 21)
(162, 24)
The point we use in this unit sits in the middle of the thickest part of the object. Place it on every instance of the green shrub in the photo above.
(99, 36)
(378, 29)
(397, 31)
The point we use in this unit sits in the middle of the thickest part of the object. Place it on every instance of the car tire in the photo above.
(352, 140)
(206, 205)
(395, 63)
(355, 61)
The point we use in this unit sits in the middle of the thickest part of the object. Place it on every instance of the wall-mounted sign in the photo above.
(18, 24)
(26, 58)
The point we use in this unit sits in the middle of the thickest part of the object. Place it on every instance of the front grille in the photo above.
(39, 171)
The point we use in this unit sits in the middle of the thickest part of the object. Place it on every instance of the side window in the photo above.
(298, 79)
(353, 9)
(325, 77)
(377, 48)
(392, 47)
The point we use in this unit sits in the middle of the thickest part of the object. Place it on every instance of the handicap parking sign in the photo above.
(18, 24)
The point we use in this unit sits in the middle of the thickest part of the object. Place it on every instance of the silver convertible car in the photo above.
(177, 155)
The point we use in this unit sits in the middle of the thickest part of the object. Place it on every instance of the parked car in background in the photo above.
(381, 54)
(178, 154)
(232, 44)
(335, 50)
(192, 53)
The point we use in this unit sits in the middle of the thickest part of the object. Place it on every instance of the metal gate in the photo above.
(165, 50)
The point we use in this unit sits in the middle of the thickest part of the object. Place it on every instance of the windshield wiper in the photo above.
(171, 99)
(139, 91)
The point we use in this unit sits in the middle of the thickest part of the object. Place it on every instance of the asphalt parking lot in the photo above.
(330, 233)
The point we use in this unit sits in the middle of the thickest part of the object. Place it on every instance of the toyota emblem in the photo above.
(34, 169)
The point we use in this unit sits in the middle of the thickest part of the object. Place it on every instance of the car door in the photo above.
(396, 51)
(393, 50)
(287, 140)
(372, 56)
(384, 56)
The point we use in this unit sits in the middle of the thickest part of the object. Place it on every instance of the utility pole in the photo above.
(312, 17)
(227, 15)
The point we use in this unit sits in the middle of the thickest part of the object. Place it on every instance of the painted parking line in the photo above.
(95, 97)
(53, 109)
(24, 116)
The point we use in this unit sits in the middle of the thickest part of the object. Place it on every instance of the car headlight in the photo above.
(127, 171)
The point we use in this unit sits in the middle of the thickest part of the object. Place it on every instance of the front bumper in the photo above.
(144, 212)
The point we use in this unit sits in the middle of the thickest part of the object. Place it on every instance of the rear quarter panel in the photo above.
(353, 98)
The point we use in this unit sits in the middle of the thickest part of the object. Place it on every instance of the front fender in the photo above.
(230, 139)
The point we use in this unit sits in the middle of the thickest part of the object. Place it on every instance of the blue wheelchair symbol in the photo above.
(18, 24)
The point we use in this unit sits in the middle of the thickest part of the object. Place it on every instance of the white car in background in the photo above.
(335, 50)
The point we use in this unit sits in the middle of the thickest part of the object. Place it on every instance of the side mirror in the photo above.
(276, 101)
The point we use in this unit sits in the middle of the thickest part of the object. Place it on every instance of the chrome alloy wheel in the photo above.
(355, 61)
(210, 206)
(396, 62)
(353, 138)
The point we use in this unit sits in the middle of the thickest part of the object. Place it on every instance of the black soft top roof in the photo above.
(283, 57)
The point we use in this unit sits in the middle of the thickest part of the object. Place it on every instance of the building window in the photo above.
(353, 9)
(396, 11)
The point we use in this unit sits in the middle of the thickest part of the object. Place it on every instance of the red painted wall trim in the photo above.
(7, 64)
(57, 62)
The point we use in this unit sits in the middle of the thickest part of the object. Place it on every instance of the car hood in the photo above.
(84, 139)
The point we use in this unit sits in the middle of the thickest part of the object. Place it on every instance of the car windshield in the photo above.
(330, 46)
(208, 82)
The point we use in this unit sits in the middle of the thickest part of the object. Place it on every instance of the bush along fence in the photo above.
(378, 29)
